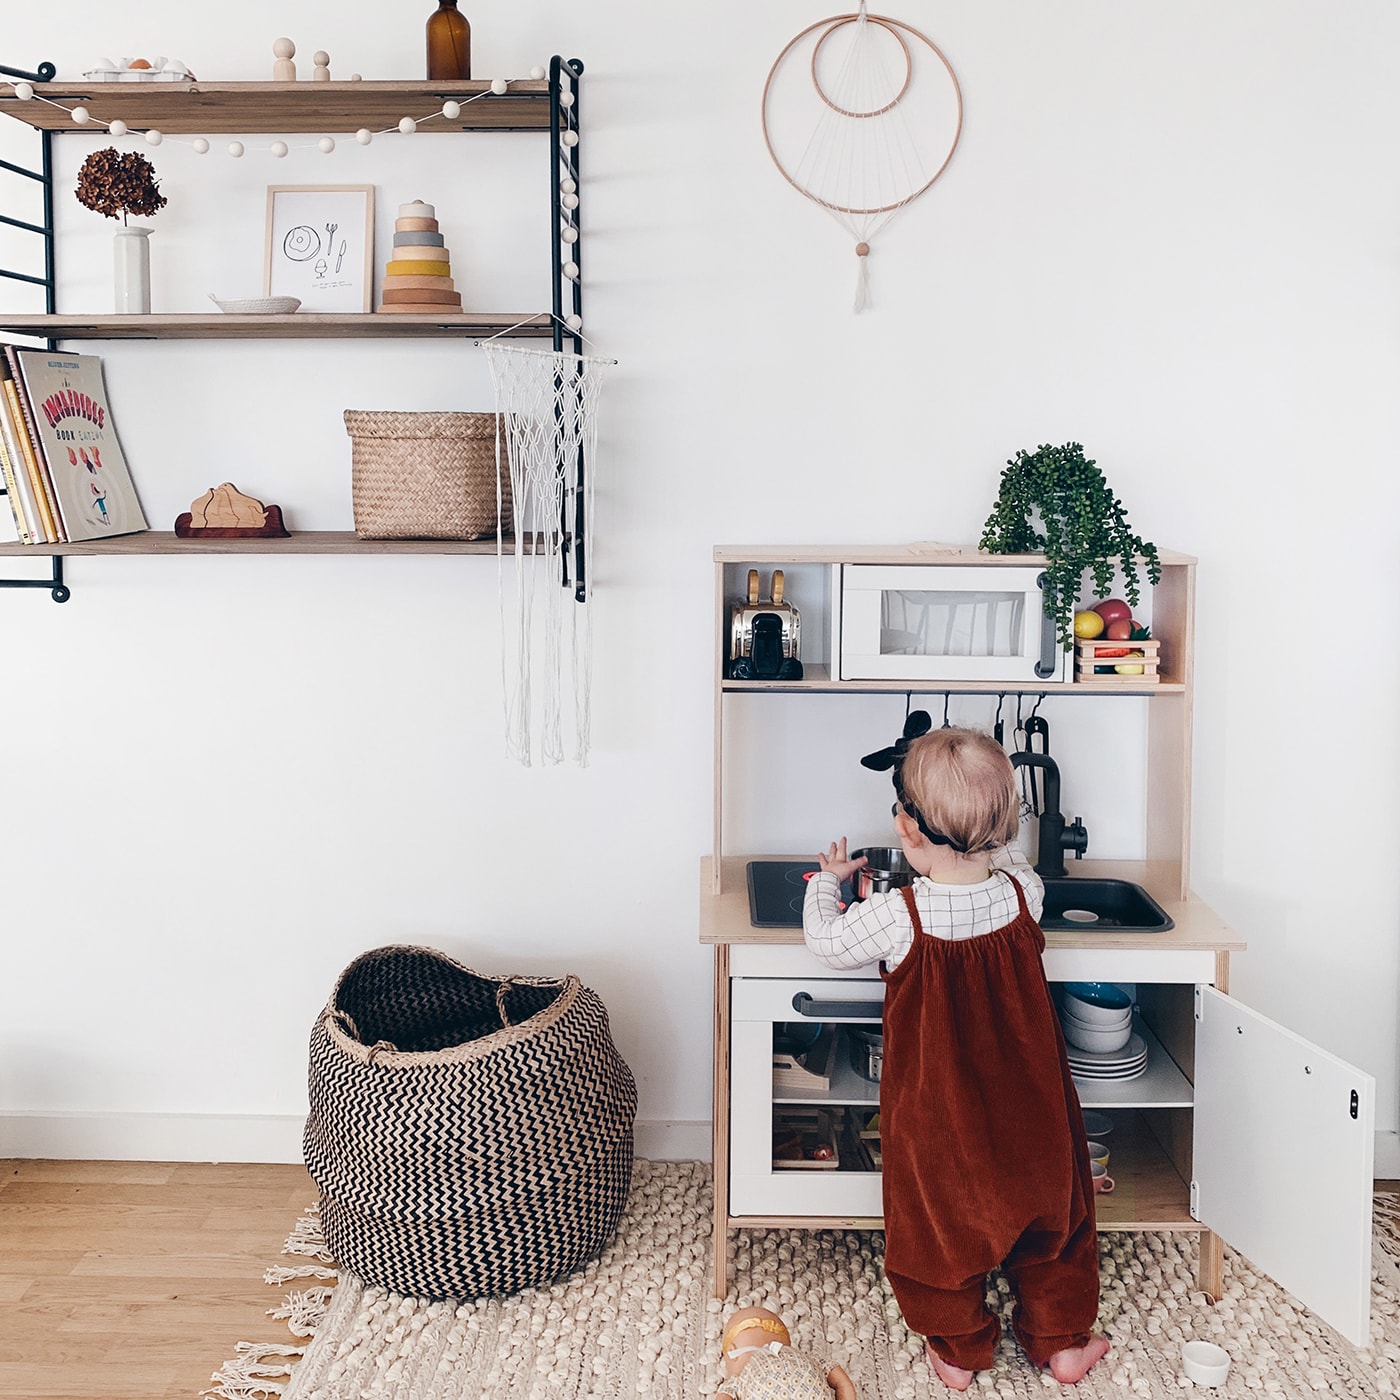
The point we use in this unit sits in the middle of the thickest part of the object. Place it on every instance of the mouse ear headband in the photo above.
(916, 724)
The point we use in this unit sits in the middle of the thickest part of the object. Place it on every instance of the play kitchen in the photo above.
(1207, 1118)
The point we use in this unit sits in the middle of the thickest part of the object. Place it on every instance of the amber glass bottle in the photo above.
(449, 42)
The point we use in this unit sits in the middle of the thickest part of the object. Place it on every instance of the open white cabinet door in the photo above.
(1283, 1158)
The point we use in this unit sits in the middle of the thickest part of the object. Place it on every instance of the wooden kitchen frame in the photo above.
(1239, 1130)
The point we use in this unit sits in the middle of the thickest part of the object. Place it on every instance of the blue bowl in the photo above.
(1102, 994)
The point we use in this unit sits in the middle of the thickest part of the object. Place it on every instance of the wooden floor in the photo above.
(135, 1280)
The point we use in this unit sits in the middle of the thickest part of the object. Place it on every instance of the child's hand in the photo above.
(836, 862)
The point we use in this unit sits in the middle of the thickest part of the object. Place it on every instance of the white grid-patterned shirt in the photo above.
(879, 929)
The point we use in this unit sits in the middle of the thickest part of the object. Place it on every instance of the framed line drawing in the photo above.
(320, 246)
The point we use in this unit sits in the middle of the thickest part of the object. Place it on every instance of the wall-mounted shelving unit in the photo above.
(548, 105)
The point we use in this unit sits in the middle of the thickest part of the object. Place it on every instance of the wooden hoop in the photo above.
(908, 66)
(885, 21)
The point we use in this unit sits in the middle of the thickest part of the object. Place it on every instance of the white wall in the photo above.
(1173, 238)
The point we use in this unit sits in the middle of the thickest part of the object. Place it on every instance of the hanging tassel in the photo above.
(862, 277)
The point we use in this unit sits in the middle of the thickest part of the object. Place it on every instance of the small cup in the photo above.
(1204, 1363)
(1099, 1153)
(1103, 1183)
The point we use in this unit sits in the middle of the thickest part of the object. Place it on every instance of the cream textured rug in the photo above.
(640, 1321)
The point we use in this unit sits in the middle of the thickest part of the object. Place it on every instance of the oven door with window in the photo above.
(805, 1096)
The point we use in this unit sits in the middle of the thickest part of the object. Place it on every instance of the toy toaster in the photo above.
(764, 638)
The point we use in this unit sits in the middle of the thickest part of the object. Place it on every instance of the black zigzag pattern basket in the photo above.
(471, 1136)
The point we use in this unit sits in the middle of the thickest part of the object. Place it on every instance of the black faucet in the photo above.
(1055, 837)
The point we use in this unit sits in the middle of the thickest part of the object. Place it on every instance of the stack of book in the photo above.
(64, 472)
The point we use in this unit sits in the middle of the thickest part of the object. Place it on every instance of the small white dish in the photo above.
(1204, 1363)
(256, 306)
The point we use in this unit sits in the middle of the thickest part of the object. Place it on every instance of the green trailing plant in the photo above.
(1056, 502)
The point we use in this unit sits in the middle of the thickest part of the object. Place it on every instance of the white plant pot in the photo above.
(132, 271)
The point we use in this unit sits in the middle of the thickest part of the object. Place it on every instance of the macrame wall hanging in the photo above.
(861, 114)
(548, 406)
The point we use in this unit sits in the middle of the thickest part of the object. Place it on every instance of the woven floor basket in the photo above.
(427, 476)
(471, 1135)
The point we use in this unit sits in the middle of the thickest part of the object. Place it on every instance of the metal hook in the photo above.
(1039, 701)
(947, 695)
(998, 729)
(908, 700)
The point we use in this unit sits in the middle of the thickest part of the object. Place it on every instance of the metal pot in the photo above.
(887, 868)
(867, 1053)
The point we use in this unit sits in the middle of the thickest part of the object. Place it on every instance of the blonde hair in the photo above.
(963, 784)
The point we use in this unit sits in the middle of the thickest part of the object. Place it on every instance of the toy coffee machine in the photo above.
(764, 637)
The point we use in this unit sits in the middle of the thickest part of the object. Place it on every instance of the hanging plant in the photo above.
(116, 185)
(1056, 502)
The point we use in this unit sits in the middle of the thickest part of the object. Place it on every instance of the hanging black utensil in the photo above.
(1035, 725)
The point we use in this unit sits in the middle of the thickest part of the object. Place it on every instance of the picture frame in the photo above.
(320, 246)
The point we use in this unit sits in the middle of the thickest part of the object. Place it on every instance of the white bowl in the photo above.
(1085, 1032)
(256, 306)
(1097, 1125)
(1097, 1042)
(1098, 1003)
(1205, 1363)
(1093, 1026)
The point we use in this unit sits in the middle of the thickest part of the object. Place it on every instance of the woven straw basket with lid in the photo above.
(429, 476)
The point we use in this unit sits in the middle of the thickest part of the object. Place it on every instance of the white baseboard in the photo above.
(196, 1137)
(152, 1137)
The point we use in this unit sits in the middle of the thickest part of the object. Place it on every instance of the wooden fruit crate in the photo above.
(1089, 656)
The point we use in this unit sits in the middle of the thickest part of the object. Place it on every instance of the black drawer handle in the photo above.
(805, 1005)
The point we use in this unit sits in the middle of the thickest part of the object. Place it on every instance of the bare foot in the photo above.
(954, 1377)
(1071, 1365)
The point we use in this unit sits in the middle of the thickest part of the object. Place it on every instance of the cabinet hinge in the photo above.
(1195, 1206)
(1200, 1002)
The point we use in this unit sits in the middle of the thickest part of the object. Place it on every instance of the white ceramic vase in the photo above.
(132, 268)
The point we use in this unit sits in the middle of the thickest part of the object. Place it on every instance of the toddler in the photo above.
(984, 1156)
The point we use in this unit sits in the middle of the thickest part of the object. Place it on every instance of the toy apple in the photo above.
(1119, 630)
(1113, 609)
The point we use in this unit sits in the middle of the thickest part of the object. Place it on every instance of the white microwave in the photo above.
(944, 622)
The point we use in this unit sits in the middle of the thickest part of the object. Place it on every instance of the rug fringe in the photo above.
(305, 1309)
(254, 1372)
(308, 1238)
(261, 1370)
(281, 1273)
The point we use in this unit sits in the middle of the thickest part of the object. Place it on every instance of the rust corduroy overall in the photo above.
(985, 1160)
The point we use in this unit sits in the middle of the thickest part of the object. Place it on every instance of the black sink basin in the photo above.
(1086, 905)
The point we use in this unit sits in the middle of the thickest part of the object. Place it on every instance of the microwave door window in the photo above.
(944, 623)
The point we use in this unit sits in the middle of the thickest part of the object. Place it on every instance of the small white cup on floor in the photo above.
(1205, 1363)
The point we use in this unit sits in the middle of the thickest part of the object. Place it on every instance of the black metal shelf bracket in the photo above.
(566, 247)
(58, 590)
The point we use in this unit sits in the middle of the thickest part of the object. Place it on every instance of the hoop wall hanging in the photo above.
(861, 115)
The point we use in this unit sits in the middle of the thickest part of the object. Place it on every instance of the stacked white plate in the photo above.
(1125, 1063)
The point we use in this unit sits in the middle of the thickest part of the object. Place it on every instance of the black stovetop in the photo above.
(776, 891)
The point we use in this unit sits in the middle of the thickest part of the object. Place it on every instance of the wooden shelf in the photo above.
(816, 679)
(301, 325)
(1148, 1191)
(1160, 1085)
(303, 106)
(299, 542)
